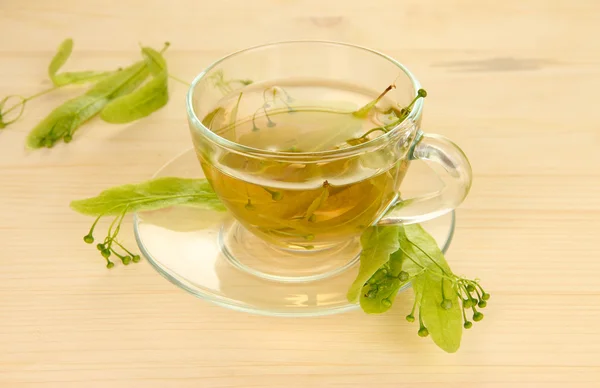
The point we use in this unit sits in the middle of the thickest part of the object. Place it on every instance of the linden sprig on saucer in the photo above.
(155, 194)
(392, 257)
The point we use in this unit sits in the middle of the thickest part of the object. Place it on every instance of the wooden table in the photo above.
(515, 83)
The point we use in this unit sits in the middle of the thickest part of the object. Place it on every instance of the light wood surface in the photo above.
(514, 82)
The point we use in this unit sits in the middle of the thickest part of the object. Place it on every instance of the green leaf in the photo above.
(384, 297)
(419, 241)
(154, 60)
(380, 292)
(234, 113)
(419, 256)
(122, 82)
(321, 199)
(154, 194)
(150, 195)
(141, 103)
(60, 58)
(3, 113)
(335, 129)
(144, 101)
(378, 295)
(378, 243)
(64, 120)
(210, 117)
(444, 326)
(78, 77)
(365, 110)
(377, 160)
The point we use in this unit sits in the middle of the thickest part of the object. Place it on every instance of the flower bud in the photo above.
(446, 304)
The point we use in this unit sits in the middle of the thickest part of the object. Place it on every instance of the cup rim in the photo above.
(263, 153)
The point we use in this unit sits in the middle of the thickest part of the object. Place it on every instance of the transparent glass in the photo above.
(185, 245)
(277, 194)
(289, 243)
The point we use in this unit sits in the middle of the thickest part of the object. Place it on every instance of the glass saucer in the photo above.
(208, 254)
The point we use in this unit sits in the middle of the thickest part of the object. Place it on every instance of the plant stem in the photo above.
(123, 248)
(430, 258)
(364, 111)
(181, 81)
(413, 260)
(34, 96)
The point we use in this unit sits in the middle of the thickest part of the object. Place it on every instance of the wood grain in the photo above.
(514, 83)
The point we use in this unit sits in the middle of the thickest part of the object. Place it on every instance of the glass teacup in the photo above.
(280, 135)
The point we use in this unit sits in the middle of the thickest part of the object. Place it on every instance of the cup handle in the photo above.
(457, 176)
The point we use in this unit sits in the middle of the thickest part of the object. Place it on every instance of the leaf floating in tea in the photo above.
(210, 117)
(316, 204)
(403, 114)
(332, 128)
(365, 110)
(234, 113)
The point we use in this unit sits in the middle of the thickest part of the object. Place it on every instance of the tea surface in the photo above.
(298, 116)
(311, 204)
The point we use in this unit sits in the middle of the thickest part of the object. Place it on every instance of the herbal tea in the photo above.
(311, 204)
